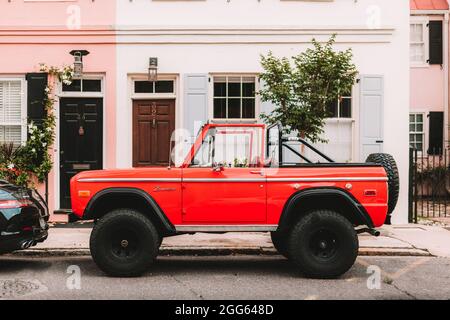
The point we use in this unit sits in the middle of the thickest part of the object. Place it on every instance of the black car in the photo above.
(23, 218)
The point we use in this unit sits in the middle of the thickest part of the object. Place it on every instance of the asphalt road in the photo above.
(227, 277)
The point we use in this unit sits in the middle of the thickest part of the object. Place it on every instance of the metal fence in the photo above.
(429, 186)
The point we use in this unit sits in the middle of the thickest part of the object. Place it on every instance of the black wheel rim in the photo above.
(124, 243)
(323, 244)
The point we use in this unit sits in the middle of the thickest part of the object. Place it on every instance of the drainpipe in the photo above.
(446, 77)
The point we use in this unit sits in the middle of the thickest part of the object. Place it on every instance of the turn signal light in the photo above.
(84, 194)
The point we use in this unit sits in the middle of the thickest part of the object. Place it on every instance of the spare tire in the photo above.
(389, 164)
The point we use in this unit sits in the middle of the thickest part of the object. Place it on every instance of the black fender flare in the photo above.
(168, 226)
(305, 194)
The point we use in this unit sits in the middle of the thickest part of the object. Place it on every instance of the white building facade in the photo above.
(209, 59)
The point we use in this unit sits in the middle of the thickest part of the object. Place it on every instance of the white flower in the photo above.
(33, 138)
(33, 150)
(47, 89)
(44, 144)
(41, 135)
(49, 129)
(11, 166)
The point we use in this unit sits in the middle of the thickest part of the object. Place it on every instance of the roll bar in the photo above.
(282, 142)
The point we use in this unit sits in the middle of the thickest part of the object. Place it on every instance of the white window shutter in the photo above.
(195, 102)
(11, 111)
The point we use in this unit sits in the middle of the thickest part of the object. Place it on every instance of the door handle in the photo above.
(379, 141)
(260, 172)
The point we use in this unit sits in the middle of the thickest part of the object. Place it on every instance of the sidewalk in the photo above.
(404, 240)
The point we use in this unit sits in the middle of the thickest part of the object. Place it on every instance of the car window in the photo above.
(234, 147)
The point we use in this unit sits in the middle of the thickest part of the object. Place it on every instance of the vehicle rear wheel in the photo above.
(390, 166)
(323, 244)
(124, 243)
(279, 241)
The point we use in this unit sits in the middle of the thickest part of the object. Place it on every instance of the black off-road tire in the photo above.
(323, 245)
(389, 164)
(124, 243)
(279, 241)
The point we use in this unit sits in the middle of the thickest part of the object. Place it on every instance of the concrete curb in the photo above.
(216, 251)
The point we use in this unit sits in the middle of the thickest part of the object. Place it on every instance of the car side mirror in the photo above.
(218, 167)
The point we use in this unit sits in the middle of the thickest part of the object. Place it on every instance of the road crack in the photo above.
(403, 291)
(198, 295)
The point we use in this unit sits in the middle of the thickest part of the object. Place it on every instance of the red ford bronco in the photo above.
(237, 178)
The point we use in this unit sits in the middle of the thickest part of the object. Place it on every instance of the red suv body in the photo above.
(234, 179)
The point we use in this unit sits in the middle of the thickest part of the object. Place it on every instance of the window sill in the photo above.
(336, 120)
(234, 121)
(419, 65)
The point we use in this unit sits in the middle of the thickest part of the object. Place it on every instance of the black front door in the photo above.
(81, 140)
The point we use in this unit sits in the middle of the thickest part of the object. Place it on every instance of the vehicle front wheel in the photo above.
(279, 241)
(323, 244)
(124, 243)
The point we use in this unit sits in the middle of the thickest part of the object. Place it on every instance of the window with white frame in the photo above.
(234, 97)
(341, 108)
(416, 131)
(12, 127)
(418, 43)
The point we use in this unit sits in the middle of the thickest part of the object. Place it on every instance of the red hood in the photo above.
(125, 173)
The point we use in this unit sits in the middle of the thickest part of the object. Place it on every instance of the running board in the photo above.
(225, 228)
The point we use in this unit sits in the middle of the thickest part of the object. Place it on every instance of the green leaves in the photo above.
(302, 87)
(32, 161)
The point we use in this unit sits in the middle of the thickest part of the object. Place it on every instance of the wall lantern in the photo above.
(78, 62)
(153, 69)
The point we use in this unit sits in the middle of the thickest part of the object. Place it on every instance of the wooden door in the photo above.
(153, 125)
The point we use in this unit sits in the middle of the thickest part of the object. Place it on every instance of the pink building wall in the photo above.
(427, 85)
(427, 88)
(33, 33)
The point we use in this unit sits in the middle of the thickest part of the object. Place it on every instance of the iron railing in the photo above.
(429, 186)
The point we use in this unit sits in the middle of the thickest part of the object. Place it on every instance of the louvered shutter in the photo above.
(11, 111)
(436, 43)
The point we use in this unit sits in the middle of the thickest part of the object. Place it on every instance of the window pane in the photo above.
(248, 108)
(164, 87)
(417, 53)
(419, 127)
(248, 87)
(332, 110)
(346, 108)
(419, 118)
(220, 108)
(220, 89)
(143, 87)
(416, 34)
(419, 146)
(10, 134)
(411, 118)
(234, 87)
(412, 128)
(234, 108)
(92, 85)
(75, 86)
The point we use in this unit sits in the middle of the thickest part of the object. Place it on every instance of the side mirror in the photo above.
(218, 167)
